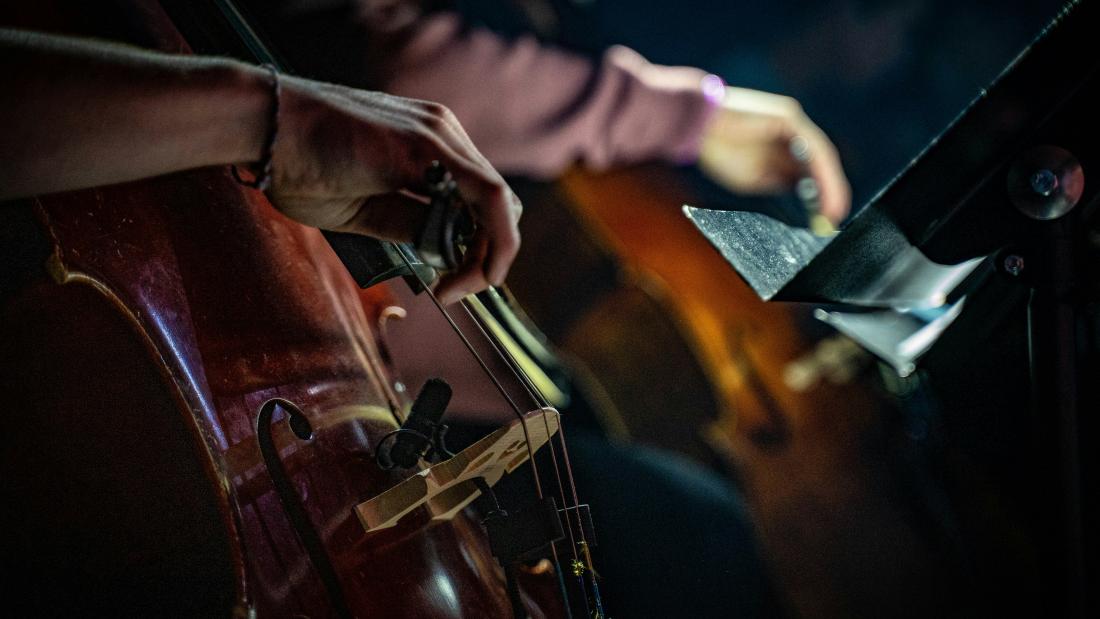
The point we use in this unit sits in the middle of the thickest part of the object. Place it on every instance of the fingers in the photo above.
(399, 217)
(353, 145)
(825, 168)
(493, 205)
(811, 152)
(470, 277)
(496, 211)
(748, 148)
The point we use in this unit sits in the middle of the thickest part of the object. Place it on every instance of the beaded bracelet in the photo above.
(261, 170)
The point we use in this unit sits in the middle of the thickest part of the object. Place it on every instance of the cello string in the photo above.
(496, 382)
(523, 379)
(581, 568)
(452, 198)
(254, 42)
(257, 47)
(540, 398)
(538, 395)
(532, 390)
(481, 362)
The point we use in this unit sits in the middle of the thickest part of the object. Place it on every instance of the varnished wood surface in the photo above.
(226, 304)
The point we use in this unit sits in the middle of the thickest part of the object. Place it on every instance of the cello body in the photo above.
(691, 360)
(138, 353)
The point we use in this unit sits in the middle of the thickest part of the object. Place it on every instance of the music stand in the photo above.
(1002, 188)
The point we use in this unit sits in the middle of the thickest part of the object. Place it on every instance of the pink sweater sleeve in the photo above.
(535, 110)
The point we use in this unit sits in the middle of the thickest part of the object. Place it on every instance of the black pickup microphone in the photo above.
(422, 430)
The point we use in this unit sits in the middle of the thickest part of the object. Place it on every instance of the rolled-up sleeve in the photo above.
(534, 109)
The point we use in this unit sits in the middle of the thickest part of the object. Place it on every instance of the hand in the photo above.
(343, 159)
(747, 149)
(354, 161)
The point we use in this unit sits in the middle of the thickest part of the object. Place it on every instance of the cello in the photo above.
(203, 404)
(761, 391)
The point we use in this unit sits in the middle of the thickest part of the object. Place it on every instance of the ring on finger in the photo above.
(799, 148)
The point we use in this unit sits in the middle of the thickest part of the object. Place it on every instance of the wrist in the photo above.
(254, 123)
(261, 168)
(237, 99)
(711, 92)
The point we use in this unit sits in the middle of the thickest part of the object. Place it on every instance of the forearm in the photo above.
(77, 113)
(534, 109)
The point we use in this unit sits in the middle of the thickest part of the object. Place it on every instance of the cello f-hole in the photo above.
(288, 496)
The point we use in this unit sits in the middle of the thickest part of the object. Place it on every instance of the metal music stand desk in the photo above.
(1002, 188)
